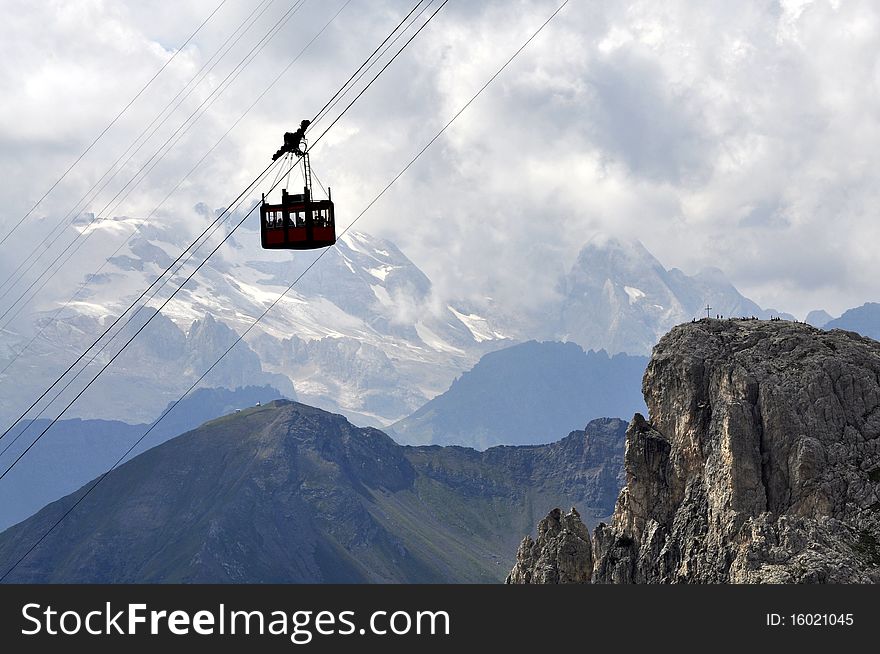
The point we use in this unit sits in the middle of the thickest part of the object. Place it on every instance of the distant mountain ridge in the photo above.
(364, 292)
(818, 318)
(864, 320)
(619, 297)
(365, 333)
(155, 369)
(289, 493)
(526, 394)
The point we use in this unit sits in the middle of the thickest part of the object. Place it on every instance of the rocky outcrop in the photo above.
(760, 463)
(562, 553)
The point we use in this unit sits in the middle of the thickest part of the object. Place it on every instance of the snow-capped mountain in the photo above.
(158, 366)
(362, 333)
(619, 297)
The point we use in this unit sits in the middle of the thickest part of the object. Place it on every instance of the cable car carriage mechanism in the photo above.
(299, 222)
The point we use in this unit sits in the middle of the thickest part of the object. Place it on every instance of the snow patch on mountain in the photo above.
(380, 273)
(363, 333)
(636, 294)
(382, 295)
(477, 325)
(434, 341)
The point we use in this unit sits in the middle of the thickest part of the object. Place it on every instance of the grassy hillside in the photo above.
(289, 493)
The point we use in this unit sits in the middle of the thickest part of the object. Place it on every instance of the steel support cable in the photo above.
(214, 225)
(81, 243)
(365, 68)
(122, 458)
(362, 92)
(152, 162)
(141, 296)
(203, 262)
(131, 317)
(133, 336)
(381, 70)
(336, 101)
(59, 229)
(372, 54)
(85, 200)
(81, 238)
(55, 316)
(112, 122)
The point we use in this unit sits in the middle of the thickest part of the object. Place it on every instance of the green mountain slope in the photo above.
(290, 493)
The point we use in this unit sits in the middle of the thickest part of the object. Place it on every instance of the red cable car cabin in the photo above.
(297, 223)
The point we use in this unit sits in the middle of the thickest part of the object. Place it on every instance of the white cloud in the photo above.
(740, 135)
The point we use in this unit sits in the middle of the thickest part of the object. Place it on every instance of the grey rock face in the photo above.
(760, 464)
(562, 553)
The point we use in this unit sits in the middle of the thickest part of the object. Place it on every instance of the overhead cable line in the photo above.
(174, 293)
(103, 476)
(366, 61)
(132, 315)
(112, 171)
(56, 313)
(135, 335)
(141, 296)
(112, 122)
(332, 104)
(181, 130)
(214, 225)
(381, 70)
(58, 230)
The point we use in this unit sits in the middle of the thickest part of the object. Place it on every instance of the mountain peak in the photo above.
(818, 318)
(288, 493)
(864, 320)
(527, 393)
(615, 248)
(208, 327)
(713, 275)
(736, 478)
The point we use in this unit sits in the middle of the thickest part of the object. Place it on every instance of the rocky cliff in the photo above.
(760, 463)
(561, 554)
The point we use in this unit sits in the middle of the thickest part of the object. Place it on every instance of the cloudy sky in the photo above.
(738, 135)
